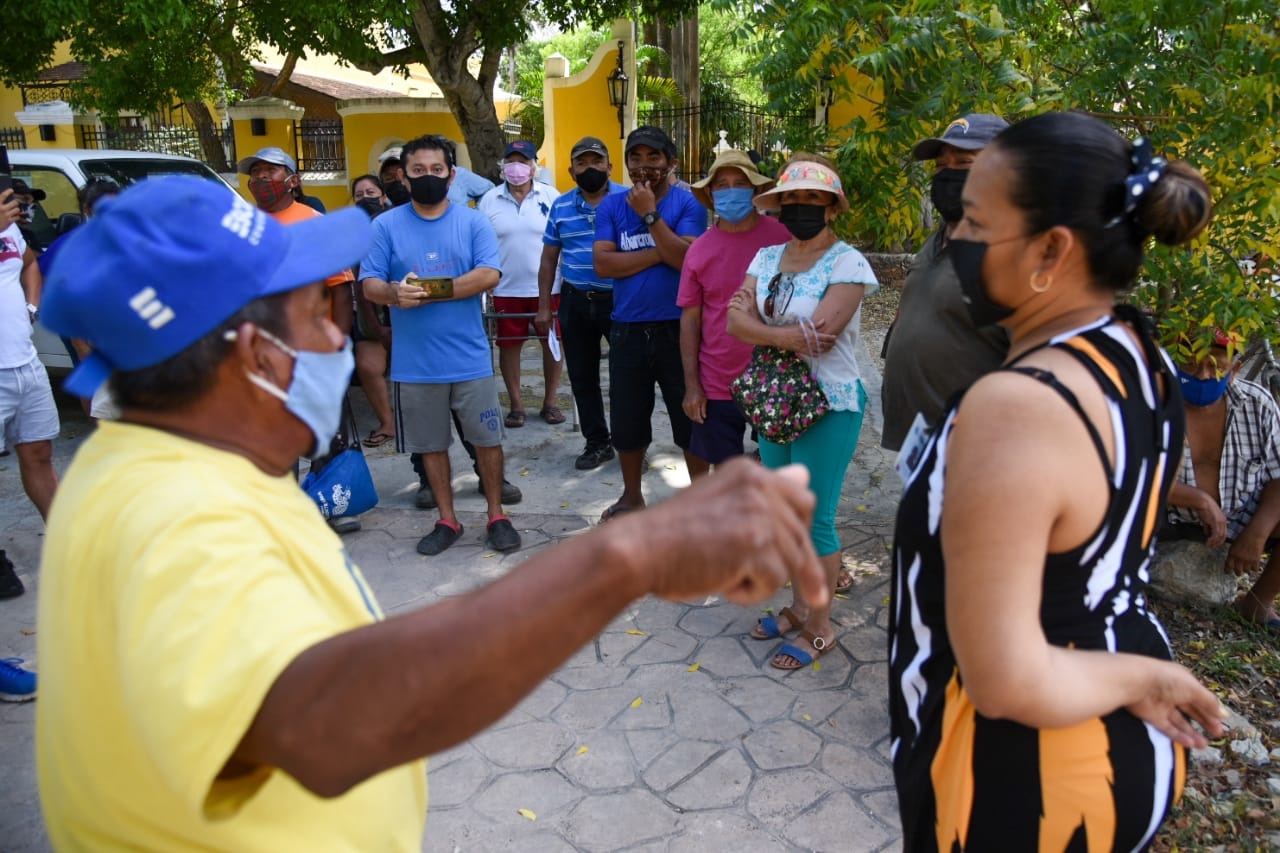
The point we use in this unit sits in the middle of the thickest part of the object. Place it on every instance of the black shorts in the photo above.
(719, 436)
(640, 356)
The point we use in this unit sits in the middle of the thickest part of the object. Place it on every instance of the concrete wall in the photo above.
(578, 106)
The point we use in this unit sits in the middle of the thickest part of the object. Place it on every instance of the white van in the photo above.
(61, 172)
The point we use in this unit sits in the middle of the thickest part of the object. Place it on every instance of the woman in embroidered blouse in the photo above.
(819, 279)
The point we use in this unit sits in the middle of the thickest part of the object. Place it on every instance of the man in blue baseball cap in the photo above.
(215, 671)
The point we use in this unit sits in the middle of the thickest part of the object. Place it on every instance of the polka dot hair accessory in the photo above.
(1145, 171)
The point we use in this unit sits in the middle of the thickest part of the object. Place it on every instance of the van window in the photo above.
(60, 198)
(126, 171)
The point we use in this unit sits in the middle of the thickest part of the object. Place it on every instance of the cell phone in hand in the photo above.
(436, 288)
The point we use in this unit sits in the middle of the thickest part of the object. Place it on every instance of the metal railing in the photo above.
(696, 131)
(13, 137)
(178, 139)
(320, 145)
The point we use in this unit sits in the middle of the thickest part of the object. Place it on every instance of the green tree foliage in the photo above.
(146, 55)
(1201, 80)
(147, 51)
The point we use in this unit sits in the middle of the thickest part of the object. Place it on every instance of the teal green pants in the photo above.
(826, 449)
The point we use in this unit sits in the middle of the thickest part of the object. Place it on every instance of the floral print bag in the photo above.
(778, 394)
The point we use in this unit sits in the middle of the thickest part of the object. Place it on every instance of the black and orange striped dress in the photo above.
(968, 783)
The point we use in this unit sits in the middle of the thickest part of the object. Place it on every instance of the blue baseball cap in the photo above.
(168, 260)
(972, 133)
(522, 147)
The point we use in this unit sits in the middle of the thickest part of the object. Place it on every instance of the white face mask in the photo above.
(317, 389)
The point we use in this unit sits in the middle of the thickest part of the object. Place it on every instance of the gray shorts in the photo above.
(27, 408)
(423, 420)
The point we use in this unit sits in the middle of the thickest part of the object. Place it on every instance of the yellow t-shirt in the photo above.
(178, 582)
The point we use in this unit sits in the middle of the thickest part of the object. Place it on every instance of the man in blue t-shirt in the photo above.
(641, 240)
(432, 261)
(586, 299)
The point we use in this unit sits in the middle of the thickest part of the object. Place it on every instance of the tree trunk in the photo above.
(470, 98)
(685, 71)
(210, 137)
(473, 107)
(282, 76)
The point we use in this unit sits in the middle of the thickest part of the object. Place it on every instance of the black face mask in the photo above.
(591, 180)
(804, 221)
(966, 258)
(371, 206)
(397, 192)
(429, 189)
(944, 192)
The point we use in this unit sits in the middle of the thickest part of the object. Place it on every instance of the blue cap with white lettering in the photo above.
(170, 259)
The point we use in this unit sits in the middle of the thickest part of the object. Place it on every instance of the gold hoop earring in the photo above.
(1043, 285)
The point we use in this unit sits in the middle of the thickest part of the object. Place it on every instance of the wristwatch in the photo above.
(649, 218)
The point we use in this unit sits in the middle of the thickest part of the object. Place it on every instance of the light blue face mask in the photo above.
(1202, 392)
(317, 389)
(734, 204)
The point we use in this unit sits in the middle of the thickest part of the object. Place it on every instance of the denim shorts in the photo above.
(27, 406)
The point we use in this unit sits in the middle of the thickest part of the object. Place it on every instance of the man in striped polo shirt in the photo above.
(586, 299)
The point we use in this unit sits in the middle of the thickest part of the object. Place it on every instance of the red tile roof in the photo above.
(337, 89)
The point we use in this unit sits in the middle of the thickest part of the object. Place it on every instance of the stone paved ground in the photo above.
(668, 732)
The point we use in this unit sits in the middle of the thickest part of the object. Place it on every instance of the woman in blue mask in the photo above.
(805, 296)
(713, 270)
(1034, 703)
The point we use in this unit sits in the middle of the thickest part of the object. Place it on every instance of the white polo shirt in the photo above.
(520, 228)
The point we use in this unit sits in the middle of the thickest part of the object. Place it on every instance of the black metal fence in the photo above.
(320, 145)
(174, 139)
(13, 137)
(697, 131)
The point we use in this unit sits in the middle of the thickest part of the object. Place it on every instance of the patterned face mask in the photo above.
(268, 193)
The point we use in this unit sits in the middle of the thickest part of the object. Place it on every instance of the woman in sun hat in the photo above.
(817, 278)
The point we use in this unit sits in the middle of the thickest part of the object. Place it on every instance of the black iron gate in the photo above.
(697, 132)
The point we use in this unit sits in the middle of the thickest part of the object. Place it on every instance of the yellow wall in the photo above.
(11, 103)
(578, 106)
(372, 125)
(858, 101)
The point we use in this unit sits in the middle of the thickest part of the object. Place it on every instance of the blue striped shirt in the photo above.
(571, 226)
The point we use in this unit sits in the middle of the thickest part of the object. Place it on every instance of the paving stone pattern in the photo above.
(668, 732)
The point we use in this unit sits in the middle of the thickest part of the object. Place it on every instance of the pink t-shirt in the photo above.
(714, 268)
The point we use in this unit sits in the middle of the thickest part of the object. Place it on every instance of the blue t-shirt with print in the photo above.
(649, 295)
(572, 228)
(439, 342)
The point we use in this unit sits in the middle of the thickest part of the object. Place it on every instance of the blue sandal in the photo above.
(818, 644)
(768, 626)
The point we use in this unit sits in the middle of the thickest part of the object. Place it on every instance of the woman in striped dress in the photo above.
(1034, 704)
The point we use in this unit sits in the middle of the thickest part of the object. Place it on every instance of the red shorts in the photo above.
(512, 332)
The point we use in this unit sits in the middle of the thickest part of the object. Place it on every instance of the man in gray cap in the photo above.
(934, 349)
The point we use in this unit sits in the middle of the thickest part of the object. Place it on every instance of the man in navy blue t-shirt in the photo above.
(641, 240)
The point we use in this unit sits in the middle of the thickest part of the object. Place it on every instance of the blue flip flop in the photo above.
(819, 645)
(769, 625)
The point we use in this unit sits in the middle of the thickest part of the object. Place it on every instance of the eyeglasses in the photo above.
(778, 296)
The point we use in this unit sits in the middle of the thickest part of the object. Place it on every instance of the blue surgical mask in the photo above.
(317, 389)
(734, 204)
(1202, 392)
